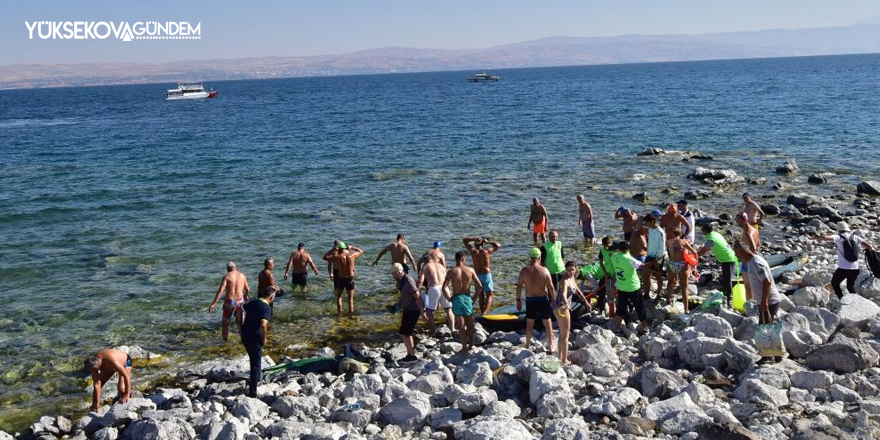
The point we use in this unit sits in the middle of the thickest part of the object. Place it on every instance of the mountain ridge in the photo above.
(858, 38)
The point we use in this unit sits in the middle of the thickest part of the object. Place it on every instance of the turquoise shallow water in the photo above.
(118, 211)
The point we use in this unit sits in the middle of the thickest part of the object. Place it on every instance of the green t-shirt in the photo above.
(605, 257)
(592, 270)
(626, 274)
(553, 260)
(719, 247)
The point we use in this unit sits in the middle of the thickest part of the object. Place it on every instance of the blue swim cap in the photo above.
(437, 244)
(657, 213)
(624, 209)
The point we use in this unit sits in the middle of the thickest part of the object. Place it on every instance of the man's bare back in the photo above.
(639, 243)
(439, 254)
(434, 273)
(670, 222)
(299, 261)
(460, 279)
(585, 212)
(630, 221)
(536, 280)
(235, 283)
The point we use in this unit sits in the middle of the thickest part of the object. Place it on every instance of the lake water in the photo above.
(119, 211)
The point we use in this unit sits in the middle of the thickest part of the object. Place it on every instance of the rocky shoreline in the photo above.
(684, 380)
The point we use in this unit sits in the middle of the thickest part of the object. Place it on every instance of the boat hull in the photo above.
(192, 96)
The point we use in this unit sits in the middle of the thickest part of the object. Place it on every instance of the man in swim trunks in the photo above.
(102, 367)
(630, 221)
(553, 257)
(343, 258)
(754, 213)
(655, 261)
(538, 216)
(399, 253)
(690, 233)
(459, 279)
(540, 293)
(235, 284)
(432, 275)
(672, 220)
(482, 258)
(585, 219)
(298, 267)
(333, 271)
(677, 269)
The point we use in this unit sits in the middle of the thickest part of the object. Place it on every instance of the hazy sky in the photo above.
(233, 29)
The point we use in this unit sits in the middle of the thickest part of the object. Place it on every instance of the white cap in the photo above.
(842, 227)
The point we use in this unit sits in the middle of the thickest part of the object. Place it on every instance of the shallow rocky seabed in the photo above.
(694, 380)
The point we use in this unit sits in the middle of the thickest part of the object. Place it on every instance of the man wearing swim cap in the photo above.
(298, 267)
(630, 221)
(459, 280)
(672, 220)
(538, 216)
(482, 258)
(585, 219)
(343, 258)
(538, 283)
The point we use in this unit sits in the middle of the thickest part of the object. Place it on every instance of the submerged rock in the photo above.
(869, 187)
(789, 167)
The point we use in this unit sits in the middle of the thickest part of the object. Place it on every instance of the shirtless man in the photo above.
(483, 266)
(333, 271)
(235, 284)
(343, 258)
(435, 252)
(102, 367)
(752, 241)
(459, 279)
(538, 216)
(266, 279)
(585, 219)
(399, 253)
(754, 213)
(672, 220)
(630, 221)
(677, 269)
(432, 275)
(298, 267)
(538, 283)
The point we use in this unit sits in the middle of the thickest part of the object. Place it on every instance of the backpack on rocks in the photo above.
(872, 257)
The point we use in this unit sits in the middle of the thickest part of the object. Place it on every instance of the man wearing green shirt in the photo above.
(553, 258)
(723, 253)
(629, 294)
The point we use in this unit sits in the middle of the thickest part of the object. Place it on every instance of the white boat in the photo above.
(483, 77)
(187, 91)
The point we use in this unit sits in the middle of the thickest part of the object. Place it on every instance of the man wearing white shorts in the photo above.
(432, 275)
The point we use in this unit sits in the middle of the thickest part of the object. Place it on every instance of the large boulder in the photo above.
(797, 335)
(252, 409)
(713, 326)
(727, 431)
(843, 355)
(474, 373)
(490, 428)
(651, 152)
(869, 187)
(702, 352)
(502, 408)
(755, 391)
(789, 167)
(556, 404)
(599, 359)
(660, 382)
(473, 403)
(121, 413)
(408, 412)
(856, 311)
(363, 384)
(680, 411)
(716, 177)
(148, 429)
(740, 356)
(810, 297)
(541, 383)
(444, 418)
(868, 286)
(809, 380)
(574, 428)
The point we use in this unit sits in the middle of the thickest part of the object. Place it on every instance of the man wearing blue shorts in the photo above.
(459, 280)
(482, 257)
(585, 219)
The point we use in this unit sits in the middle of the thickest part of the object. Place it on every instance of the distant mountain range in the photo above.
(863, 37)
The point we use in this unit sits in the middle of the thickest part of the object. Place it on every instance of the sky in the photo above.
(257, 28)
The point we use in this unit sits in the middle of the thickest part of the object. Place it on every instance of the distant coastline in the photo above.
(858, 39)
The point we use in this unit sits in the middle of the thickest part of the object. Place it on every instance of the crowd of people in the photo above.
(656, 247)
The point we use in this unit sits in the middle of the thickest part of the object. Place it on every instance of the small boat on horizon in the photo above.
(188, 91)
(483, 77)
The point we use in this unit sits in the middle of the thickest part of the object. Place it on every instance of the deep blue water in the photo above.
(118, 211)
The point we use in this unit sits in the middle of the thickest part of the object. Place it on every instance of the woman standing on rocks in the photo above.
(562, 307)
(677, 269)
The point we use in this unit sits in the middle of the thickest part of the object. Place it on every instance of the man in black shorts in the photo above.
(298, 266)
(411, 306)
(538, 283)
